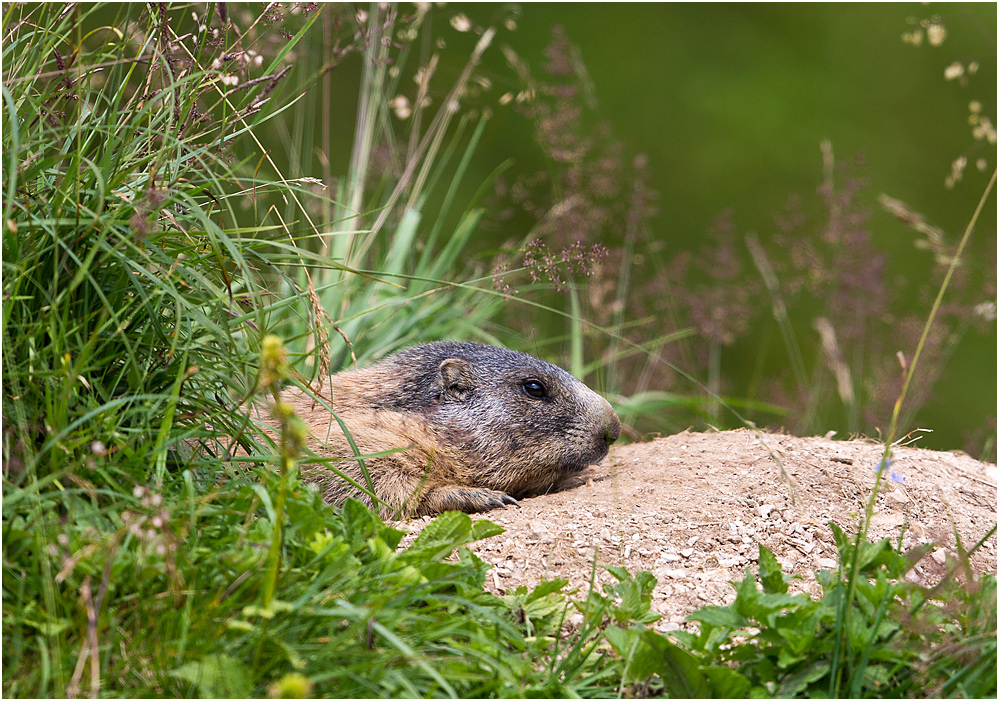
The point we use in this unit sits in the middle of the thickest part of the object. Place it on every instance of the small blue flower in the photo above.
(886, 464)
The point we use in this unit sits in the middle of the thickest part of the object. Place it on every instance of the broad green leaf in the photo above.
(485, 529)
(621, 639)
(216, 676)
(726, 683)
(551, 586)
(620, 573)
(441, 536)
(545, 606)
(679, 670)
(359, 523)
(719, 616)
(746, 596)
(771, 574)
(794, 684)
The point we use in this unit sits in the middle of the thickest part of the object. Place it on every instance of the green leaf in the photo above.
(216, 676)
(620, 573)
(359, 523)
(843, 544)
(686, 639)
(54, 627)
(876, 555)
(636, 602)
(771, 574)
(391, 536)
(914, 555)
(719, 616)
(476, 568)
(545, 588)
(544, 607)
(726, 683)
(679, 670)
(799, 628)
(621, 639)
(441, 537)
(485, 529)
(794, 684)
(768, 604)
(746, 596)
(646, 653)
(787, 657)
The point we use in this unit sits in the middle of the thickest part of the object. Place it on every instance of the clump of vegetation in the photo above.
(896, 639)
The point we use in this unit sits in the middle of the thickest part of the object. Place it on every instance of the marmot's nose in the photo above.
(612, 424)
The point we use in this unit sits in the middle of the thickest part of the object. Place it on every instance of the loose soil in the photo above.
(692, 507)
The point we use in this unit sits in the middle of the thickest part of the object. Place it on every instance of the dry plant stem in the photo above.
(933, 312)
(922, 339)
(433, 137)
(375, 66)
(792, 489)
(73, 690)
(88, 648)
(844, 612)
(326, 83)
(778, 305)
(224, 95)
(421, 93)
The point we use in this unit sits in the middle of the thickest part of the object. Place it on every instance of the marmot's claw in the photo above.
(467, 499)
(509, 500)
(494, 499)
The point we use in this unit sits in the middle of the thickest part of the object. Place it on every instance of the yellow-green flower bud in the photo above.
(291, 686)
(273, 361)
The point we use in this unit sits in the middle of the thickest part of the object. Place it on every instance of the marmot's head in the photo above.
(523, 422)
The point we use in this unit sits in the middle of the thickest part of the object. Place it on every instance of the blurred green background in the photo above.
(730, 102)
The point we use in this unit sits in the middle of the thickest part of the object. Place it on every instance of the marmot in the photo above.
(479, 427)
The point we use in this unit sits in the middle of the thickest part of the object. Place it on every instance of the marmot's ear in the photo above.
(456, 379)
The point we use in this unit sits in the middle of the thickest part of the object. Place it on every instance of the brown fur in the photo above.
(468, 435)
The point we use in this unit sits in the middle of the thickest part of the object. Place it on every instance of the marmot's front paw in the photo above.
(467, 499)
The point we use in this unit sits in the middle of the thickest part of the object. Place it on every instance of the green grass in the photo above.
(158, 543)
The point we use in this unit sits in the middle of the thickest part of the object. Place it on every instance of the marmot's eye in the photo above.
(533, 388)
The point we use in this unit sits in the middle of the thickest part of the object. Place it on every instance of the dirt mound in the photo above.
(692, 507)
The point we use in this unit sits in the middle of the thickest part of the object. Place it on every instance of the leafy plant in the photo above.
(895, 643)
